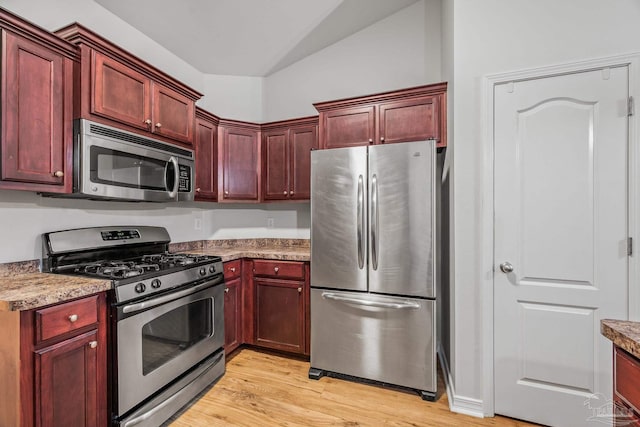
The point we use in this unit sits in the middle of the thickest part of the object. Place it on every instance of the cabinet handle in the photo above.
(233, 269)
(226, 290)
(58, 174)
(382, 139)
(276, 269)
(300, 290)
(147, 122)
(158, 125)
(370, 140)
(93, 344)
(73, 318)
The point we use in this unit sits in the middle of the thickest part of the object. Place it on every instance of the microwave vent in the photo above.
(124, 136)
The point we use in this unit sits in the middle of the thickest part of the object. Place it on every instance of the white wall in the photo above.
(400, 51)
(234, 97)
(494, 36)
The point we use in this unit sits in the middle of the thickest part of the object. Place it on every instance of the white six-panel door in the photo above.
(561, 238)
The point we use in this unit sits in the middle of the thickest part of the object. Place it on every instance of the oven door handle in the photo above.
(152, 412)
(131, 308)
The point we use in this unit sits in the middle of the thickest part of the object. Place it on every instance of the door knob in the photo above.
(506, 267)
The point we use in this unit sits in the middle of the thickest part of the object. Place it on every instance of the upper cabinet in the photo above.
(119, 89)
(286, 155)
(405, 115)
(36, 144)
(206, 154)
(239, 161)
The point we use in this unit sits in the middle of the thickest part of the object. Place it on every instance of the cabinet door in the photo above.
(347, 127)
(276, 169)
(301, 141)
(36, 85)
(67, 386)
(240, 164)
(206, 153)
(280, 314)
(410, 120)
(173, 114)
(120, 93)
(232, 315)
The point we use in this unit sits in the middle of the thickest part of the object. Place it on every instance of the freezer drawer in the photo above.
(380, 338)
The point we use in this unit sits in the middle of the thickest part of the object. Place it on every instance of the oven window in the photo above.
(129, 170)
(168, 336)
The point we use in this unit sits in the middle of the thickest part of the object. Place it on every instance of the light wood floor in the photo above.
(264, 389)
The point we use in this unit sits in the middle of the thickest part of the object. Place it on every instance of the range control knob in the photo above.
(203, 271)
(212, 269)
(156, 283)
(140, 288)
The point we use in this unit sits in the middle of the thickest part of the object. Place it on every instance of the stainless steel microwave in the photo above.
(110, 163)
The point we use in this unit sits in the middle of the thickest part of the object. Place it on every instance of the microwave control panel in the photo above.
(185, 178)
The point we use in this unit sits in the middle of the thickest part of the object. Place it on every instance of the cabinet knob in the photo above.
(198, 190)
(370, 140)
(300, 290)
(58, 174)
(291, 193)
(158, 125)
(226, 193)
(93, 344)
(284, 192)
(226, 290)
(73, 318)
(382, 139)
(233, 269)
(147, 122)
(276, 269)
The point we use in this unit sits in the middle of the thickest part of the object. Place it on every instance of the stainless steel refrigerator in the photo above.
(373, 264)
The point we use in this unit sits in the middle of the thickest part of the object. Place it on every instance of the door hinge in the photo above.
(630, 106)
(630, 246)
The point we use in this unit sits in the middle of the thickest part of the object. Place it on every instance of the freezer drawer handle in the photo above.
(360, 222)
(357, 301)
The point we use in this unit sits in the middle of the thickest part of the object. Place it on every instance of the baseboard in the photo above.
(459, 404)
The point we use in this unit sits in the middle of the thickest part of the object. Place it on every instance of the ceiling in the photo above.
(249, 37)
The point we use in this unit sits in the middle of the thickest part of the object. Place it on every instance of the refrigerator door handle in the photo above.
(360, 222)
(374, 222)
(369, 303)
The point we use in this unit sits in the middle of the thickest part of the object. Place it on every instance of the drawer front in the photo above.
(232, 269)
(283, 269)
(627, 378)
(67, 317)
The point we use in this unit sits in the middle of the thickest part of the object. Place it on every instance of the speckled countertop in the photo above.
(23, 287)
(625, 334)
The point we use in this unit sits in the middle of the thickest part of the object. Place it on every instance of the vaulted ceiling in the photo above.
(249, 37)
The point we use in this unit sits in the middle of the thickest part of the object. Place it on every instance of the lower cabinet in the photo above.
(56, 374)
(232, 306)
(626, 393)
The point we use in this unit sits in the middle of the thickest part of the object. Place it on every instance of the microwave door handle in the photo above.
(173, 193)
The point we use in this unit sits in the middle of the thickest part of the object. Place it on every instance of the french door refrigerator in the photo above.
(373, 262)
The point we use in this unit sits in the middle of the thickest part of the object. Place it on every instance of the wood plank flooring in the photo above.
(266, 389)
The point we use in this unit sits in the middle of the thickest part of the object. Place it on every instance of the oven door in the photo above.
(161, 338)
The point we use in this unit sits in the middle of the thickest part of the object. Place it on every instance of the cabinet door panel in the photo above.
(66, 381)
(240, 165)
(33, 147)
(280, 314)
(276, 185)
(232, 315)
(173, 114)
(120, 93)
(413, 120)
(206, 153)
(301, 141)
(348, 127)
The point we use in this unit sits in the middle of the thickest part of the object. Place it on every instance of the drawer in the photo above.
(232, 269)
(284, 269)
(627, 378)
(63, 318)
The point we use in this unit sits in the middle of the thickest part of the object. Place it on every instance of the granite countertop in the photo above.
(625, 334)
(23, 287)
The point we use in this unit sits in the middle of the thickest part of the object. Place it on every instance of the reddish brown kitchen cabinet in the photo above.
(54, 366)
(405, 115)
(626, 392)
(239, 177)
(119, 89)
(36, 144)
(232, 306)
(286, 152)
(281, 305)
(206, 155)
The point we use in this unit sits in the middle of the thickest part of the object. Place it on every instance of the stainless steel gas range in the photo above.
(167, 315)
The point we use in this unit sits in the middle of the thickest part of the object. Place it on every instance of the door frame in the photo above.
(631, 60)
